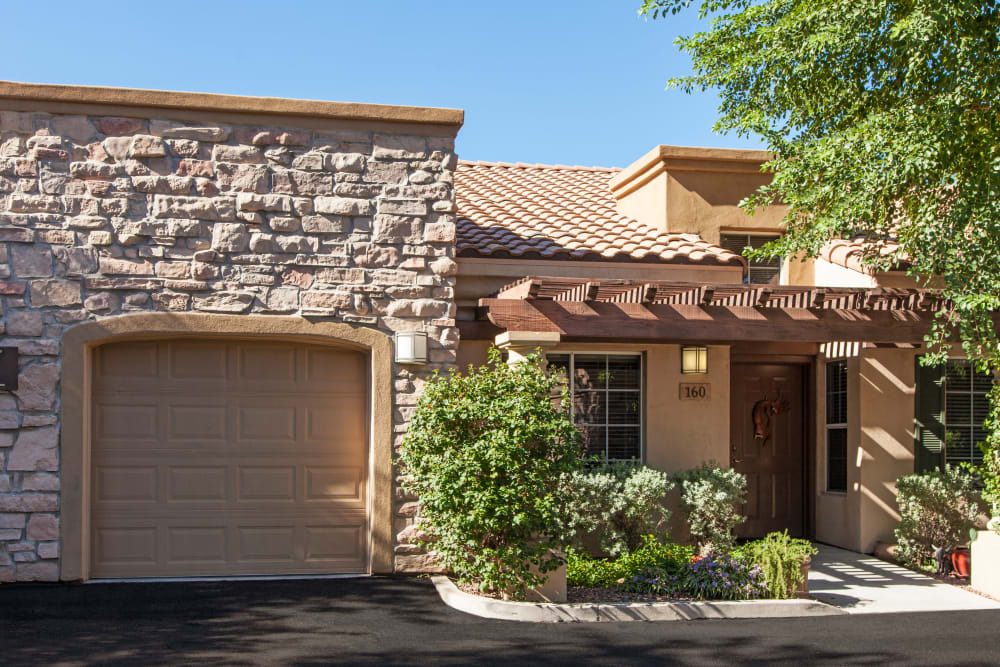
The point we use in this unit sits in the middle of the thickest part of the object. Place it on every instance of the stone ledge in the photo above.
(541, 612)
(134, 97)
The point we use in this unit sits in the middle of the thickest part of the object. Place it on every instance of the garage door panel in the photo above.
(342, 485)
(276, 423)
(267, 484)
(275, 544)
(197, 544)
(125, 484)
(130, 361)
(342, 542)
(126, 422)
(268, 363)
(136, 545)
(197, 360)
(197, 484)
(197, 421)
(234, 458)
(335, 369)
(336, 422)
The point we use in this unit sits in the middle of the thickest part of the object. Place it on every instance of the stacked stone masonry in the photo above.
(104, 216)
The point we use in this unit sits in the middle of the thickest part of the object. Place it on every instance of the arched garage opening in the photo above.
(225, 445)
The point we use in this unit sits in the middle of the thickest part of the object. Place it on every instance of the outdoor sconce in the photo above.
(411, 347)
(694, 359)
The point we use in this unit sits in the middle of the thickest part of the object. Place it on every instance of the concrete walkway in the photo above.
(862, 584)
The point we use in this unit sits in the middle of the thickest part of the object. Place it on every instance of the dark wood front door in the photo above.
(767, 444)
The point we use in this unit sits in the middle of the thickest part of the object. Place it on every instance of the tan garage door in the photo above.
(228, 457)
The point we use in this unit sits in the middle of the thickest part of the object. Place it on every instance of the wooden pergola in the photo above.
(620, 310)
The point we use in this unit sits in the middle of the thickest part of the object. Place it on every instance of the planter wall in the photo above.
(986, 563)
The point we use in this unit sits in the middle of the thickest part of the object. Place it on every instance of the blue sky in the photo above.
(550, 81)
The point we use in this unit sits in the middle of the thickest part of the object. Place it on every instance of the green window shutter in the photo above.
(929, 418)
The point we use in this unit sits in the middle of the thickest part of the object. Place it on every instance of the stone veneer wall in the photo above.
(102, 216)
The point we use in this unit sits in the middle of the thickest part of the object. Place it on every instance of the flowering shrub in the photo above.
(711, 496)
(582, 570)
(937, 509)
(713, 577)
(487, 452)
(619, 503)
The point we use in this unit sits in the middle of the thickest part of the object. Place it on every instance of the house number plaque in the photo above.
(696, 391)
(8, 369)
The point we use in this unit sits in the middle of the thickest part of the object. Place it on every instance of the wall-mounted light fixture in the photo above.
(694, 359)
(411, 347)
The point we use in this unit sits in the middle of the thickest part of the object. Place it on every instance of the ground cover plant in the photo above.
(937, 509)
(618, 503)
(488, 452)
(585, 570)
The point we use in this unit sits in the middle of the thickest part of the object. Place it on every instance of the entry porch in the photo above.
(807, 391)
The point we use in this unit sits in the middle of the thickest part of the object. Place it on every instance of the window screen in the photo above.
(836, 426)
(761, 272)
(966, 405)
(606, 402)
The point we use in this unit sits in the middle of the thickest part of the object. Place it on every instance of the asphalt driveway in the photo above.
(402, 621)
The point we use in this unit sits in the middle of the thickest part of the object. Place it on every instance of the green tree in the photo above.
(882, 120)
(488, 452)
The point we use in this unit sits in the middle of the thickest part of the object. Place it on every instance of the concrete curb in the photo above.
(547, 612)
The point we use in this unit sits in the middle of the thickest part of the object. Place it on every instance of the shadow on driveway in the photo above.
(402, 621)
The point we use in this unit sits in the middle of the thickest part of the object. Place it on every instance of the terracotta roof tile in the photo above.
(559, 212)
(849, 253)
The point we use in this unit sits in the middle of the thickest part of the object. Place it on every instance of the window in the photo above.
(606, 402)
(836, 426)
(761, 272)
(966, 404)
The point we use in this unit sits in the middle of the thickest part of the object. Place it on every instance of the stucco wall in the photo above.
(879, 446)
(678, 434)
(116, 210)
(886, 378)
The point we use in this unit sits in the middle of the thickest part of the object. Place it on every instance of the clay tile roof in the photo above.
(558, 212)
(849, 253)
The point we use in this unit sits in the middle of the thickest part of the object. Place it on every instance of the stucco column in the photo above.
(519, 344)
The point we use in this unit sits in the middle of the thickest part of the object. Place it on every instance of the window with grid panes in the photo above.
(966, 405)
(606, 402)
(760, 272)
(836, 426)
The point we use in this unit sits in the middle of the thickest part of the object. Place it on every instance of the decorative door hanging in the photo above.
(763, 411)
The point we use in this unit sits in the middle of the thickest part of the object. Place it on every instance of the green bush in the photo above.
(584, 570)
(488, 452)
(618, 503)
(711, 497)
(780, 558)
(714, 577)
(937, 509)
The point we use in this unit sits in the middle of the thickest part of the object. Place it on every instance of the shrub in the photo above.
(619, 503)
(713, 577)
(583, 570)
(780, 558)
(487, 452)
(711, 496)
(937, 509)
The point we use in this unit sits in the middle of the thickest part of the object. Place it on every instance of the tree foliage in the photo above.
(882, 120)
(488, 453)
